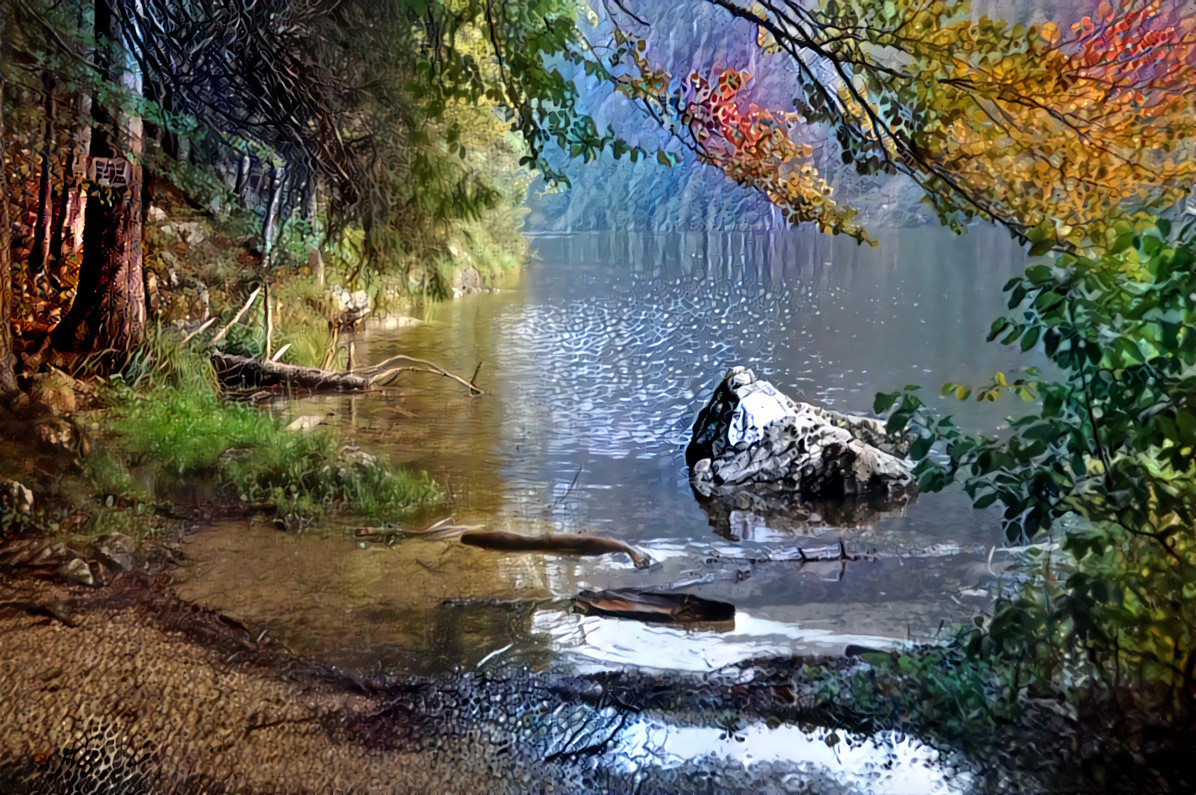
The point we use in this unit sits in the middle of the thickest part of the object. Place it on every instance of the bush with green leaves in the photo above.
(1105, 467)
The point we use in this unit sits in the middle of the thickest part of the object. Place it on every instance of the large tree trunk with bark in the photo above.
(40, 258)
(108, 313)
(66, 244)
(8, 380)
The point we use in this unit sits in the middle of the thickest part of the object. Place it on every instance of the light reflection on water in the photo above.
(881, 764)
(594, 368)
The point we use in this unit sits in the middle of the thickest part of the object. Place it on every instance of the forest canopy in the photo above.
(402, 128)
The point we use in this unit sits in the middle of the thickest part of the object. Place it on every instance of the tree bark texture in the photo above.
(8, 380)
(243, 371)
(108, 313)
(45, 195)
(67, 242)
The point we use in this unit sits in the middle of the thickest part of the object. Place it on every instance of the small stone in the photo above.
(358, 457)
(16, 497)
(307, 422)
(118, 551)
(76, 570)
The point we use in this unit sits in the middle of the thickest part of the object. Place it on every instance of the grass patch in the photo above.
(183, 436)
(168, 428)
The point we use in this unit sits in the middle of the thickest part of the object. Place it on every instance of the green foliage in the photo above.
(189, 435)
(170, 419)
(940, 693)
(1105, 466)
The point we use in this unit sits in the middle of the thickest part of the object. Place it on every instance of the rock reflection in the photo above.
(761, 515)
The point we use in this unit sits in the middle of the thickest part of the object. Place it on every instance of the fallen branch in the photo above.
(389, 535)
(56, 612)
(660, 608)
(242, 370)
(552, 543)
(252, 297)
(376, 372)
(202, 327)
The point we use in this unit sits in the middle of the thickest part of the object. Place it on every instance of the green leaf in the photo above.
(1042, 247)
(1030, 338)
(999, 325)
(984, 500)
(884, 401)
(1038, 274)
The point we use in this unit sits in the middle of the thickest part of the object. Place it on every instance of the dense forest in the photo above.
(200, 201)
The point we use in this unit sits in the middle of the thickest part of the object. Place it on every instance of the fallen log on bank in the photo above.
(552, 543)
(244, 371)
(659, 608)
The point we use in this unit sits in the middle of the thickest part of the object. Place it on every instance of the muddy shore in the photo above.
(128, 689)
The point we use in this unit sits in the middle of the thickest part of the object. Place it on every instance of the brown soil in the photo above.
(127, 689)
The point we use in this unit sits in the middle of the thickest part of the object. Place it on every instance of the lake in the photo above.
(594, 365)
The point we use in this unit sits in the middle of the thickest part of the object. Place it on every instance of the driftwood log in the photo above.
(660, 608)
(243, 371)
(552, 543)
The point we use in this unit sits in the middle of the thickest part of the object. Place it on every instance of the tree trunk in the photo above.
(243, 166)
(270, 230)
(8, 380)
(67, 242)
(40, 259)
(108, 313)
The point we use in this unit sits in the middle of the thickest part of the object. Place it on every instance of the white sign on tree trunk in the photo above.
(110, 172)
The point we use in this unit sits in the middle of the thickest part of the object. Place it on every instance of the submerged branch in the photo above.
(376, 372)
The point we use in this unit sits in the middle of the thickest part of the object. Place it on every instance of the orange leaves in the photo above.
(1070, 125)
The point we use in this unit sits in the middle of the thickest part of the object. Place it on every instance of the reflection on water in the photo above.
(882, 763)
(594, 368)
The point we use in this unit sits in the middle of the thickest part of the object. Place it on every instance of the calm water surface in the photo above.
(594, 367)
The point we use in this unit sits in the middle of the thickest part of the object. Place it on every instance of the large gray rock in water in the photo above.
(750, 436)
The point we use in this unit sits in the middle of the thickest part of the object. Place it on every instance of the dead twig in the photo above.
(236, 318)
(202, 327)
(376, 372)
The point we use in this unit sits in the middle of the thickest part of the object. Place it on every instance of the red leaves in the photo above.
(1144, 51)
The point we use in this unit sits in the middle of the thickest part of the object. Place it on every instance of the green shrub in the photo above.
(1105, 467)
